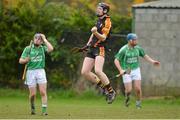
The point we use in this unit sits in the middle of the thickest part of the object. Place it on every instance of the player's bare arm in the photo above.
(101, 37)
(47, 43)
(24, 60)
(89, 41)
(118, 66)
(149, 59)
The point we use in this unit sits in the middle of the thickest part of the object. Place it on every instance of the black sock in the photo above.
(128, 94)
(109, 88)
(32, 106)
(100, 84)
(32, 102)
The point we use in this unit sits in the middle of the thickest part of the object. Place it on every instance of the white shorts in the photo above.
(34, 77)
(134, 75)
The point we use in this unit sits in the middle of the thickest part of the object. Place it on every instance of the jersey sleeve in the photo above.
(25, 52)
(107, 27)
(120, 55)
(141, 52)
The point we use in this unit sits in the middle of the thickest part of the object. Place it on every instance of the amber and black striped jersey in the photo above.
(103, 27)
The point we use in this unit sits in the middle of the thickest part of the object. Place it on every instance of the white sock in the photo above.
(44, 105)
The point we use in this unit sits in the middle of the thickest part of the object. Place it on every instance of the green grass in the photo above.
(67, 105)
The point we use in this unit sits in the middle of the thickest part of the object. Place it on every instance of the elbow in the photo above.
(21, 61)
(115, 61)
(50, 49)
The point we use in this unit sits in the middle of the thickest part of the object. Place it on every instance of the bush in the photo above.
(65, 27)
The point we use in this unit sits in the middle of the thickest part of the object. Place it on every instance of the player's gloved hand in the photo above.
(84, 48)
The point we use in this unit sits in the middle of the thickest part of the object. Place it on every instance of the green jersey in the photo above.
(129, 57)
(37, 56)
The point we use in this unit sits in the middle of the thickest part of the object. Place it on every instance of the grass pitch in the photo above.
(88, 107)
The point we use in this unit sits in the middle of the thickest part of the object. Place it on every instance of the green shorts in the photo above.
(95, 51)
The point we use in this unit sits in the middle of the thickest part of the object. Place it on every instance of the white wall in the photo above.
(159, 35)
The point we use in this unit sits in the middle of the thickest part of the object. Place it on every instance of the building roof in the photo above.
(174, 4)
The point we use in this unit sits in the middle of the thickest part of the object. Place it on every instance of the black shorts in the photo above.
(95, 51)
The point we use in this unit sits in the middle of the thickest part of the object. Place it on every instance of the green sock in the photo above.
(44, 108)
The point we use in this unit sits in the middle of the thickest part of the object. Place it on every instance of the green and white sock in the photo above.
(44, 108)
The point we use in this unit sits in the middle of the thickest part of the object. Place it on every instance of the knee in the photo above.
(83, 73)
(138, 89)
(43, 93)
(32, 95)
(98, 72)
(128, 90)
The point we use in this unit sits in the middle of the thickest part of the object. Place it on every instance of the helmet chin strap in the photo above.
(100, 15)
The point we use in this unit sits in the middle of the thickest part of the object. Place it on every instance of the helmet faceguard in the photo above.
(105, 7)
